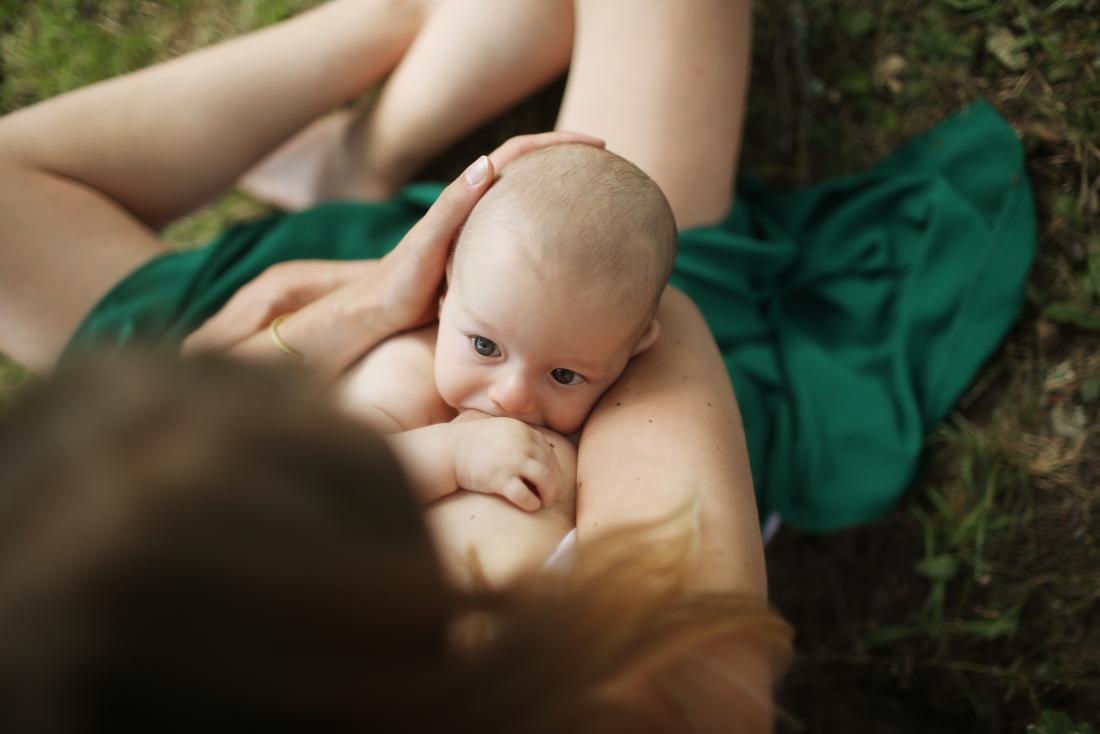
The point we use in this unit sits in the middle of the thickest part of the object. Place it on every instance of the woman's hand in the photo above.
(408, 279)
(342, 319)
(282, 288)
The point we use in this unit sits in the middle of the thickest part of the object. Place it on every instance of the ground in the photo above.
(973, 607)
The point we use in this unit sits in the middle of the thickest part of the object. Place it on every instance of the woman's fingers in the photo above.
(520, 145)
(282, 288)
(400, 290)
(458, 200)
(412, 273)
(455, 204)
(239, 319)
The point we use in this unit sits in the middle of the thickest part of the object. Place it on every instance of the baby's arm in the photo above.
(393, 390)
(530, 467)
(482, 538)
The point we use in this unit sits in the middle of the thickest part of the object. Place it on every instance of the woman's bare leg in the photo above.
(471, 60)
(87, 177)
(664, 83)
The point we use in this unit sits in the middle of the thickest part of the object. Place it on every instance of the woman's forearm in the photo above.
(331, 333)
(167, 139)
(668, 437)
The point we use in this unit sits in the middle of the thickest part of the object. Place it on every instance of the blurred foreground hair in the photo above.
(204, 546)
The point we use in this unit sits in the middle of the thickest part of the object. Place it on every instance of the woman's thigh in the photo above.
(664, 82)
(64, 247)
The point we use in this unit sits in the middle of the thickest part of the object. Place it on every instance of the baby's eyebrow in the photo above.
(472, 317)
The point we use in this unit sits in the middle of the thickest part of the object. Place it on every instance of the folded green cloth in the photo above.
(851, 314)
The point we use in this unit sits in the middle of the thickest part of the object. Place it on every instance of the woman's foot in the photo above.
(323, 162)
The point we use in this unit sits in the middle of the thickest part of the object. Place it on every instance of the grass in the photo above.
(973, 607)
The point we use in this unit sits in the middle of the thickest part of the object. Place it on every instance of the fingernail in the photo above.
(475, 174)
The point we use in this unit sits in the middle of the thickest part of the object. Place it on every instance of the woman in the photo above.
(125, 157)
(203, 546)
(119, 159)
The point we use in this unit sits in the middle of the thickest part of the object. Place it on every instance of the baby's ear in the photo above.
(649, 336)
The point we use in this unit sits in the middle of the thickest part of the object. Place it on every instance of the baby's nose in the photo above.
(513, 395)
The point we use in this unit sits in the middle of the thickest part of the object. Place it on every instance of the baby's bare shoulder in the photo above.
(397, 378)
(414, 348)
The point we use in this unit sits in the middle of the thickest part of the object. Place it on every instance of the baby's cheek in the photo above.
(446, 379)
(448, 383)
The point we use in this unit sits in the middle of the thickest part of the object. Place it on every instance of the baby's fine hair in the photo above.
(586, 214)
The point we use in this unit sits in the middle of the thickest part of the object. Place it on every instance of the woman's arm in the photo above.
(666, 436)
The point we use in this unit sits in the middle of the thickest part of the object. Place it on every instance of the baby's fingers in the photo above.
(545, 480)
(517, 492)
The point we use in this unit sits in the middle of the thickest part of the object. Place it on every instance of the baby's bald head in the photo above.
(579, 216)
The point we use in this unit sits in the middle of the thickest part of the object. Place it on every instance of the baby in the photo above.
(551, 289)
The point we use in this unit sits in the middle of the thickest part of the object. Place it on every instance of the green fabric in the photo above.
(851, 315)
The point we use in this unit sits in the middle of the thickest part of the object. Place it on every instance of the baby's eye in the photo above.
(567, 377)
(485, 347)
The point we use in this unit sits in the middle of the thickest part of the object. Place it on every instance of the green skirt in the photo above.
(851, 315)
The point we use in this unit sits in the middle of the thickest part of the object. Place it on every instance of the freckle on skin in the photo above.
(708, 405)
(618, 405)
(472, 516)
(650, 420)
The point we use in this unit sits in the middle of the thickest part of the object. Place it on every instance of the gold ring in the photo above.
(282, 345)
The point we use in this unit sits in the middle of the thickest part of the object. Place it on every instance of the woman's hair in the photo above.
(207, 546)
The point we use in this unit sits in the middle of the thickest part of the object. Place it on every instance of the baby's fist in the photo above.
(507, 457)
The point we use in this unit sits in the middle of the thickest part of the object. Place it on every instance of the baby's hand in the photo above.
(508, 457)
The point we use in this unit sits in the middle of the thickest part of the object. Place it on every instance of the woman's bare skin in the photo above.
(492, 53)
(663, 82)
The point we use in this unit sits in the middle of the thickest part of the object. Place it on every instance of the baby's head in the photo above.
(553, 286)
